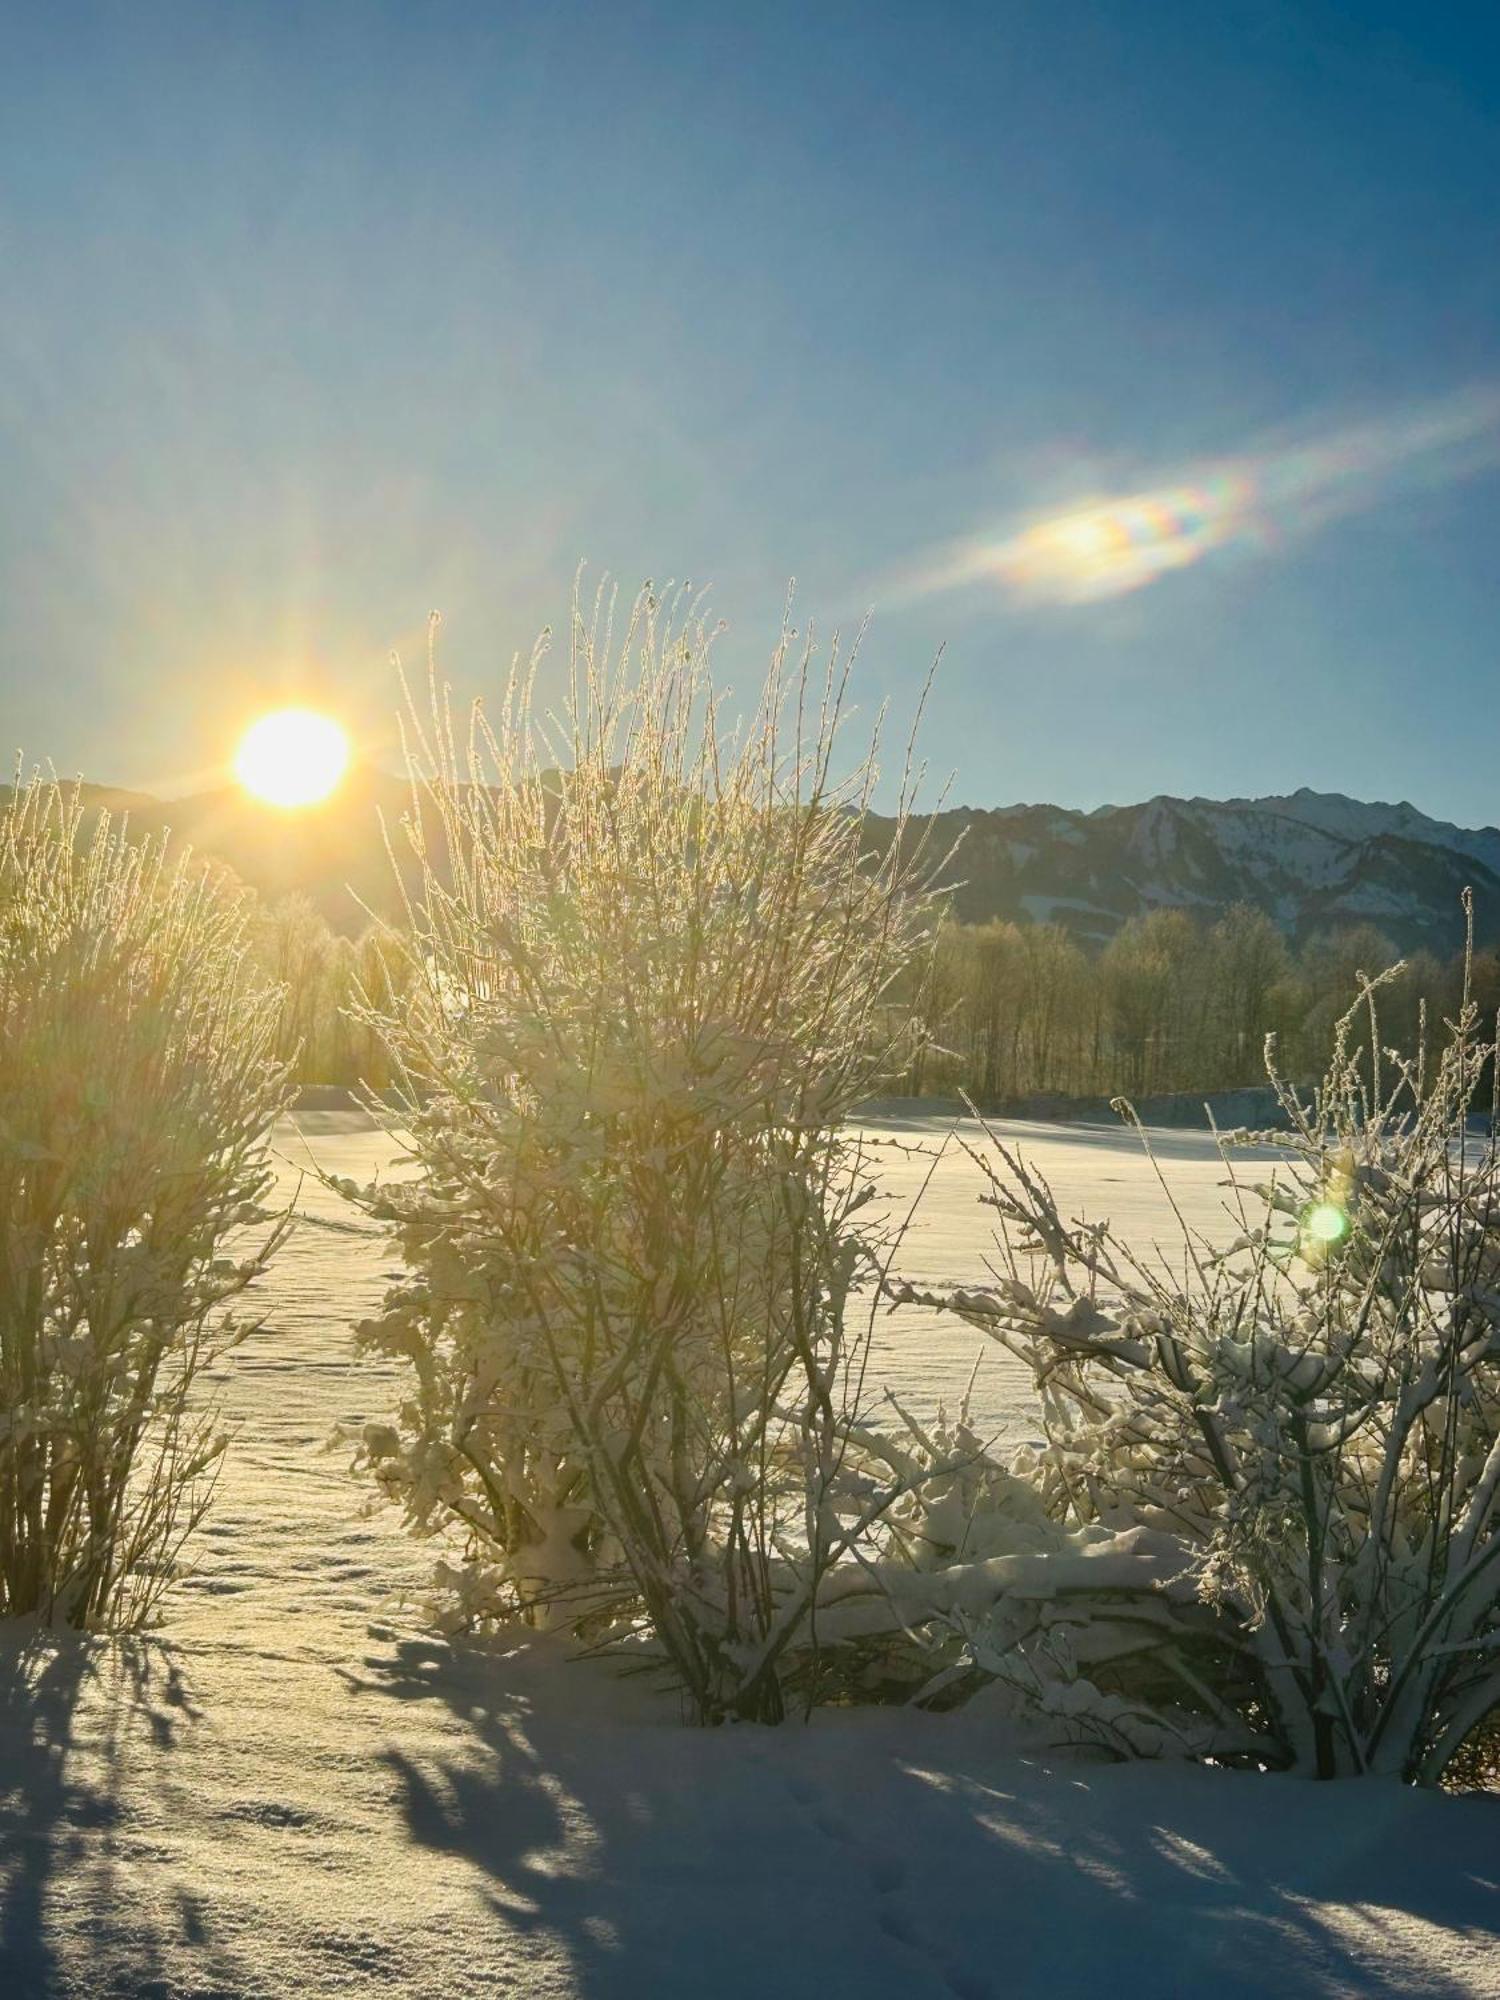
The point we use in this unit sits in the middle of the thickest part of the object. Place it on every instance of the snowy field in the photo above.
(294, 1790)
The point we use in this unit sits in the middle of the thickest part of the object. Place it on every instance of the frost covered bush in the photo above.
(135, 1091)
(1277, 1468)
(652, 966)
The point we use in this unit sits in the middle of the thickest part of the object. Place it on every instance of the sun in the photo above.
(293, 757)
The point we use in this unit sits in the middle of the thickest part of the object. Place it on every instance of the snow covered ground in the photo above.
(295, 1790)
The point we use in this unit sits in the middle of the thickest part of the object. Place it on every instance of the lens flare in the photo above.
(1324, 1223)
(294, 757)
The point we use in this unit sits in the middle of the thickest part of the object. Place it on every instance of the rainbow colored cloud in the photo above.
(1106, 545)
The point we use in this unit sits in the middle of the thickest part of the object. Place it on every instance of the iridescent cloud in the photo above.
(1108, 544)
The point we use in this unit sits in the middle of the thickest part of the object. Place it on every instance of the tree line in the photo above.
(1171, 1003)
(1015, 1011)
(323, 976)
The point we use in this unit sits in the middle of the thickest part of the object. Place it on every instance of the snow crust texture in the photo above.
(293, 1790)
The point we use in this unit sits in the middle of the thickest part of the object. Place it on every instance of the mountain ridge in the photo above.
(1312, 861)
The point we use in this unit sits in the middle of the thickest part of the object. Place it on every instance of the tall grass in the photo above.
(136, 1086)
(653, 968)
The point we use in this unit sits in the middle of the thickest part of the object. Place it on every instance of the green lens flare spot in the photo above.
(1325, 1223)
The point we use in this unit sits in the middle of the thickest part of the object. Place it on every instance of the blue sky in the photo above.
(316, 318)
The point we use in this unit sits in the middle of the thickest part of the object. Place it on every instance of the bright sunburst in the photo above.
(294, 757)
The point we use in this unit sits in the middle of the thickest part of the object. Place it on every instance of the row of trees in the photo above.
(1013, 1010)
(325, 980)
(1017, 1010)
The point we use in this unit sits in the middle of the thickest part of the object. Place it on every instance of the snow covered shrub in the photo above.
(1279, 1467)
(135, 1091)
(888, 1615)
(652, 965)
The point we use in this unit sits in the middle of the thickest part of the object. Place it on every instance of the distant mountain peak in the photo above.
(1310, 860)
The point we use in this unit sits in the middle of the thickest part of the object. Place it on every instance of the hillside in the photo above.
(1312, 861)
(333, 854)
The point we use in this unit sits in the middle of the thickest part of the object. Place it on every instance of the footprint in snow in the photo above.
(886, 1874)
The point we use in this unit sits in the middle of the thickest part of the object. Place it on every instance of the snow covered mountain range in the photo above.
(1312, 861)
